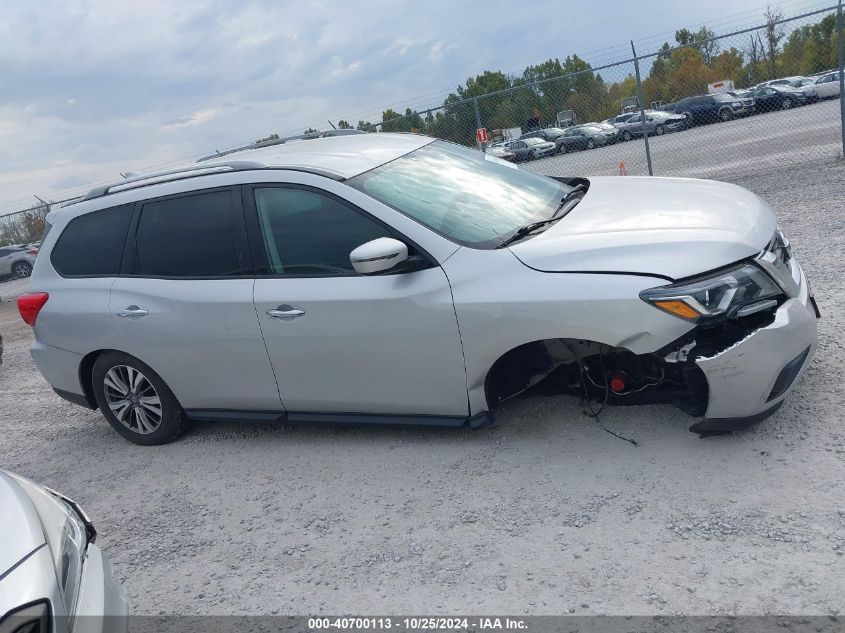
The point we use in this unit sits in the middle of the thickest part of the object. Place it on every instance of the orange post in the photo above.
(622, 168)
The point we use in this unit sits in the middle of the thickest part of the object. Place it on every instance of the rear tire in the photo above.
(787, 104)
(660, 130)
(590, 144)
(725, 114)
(136, 401)
(21, 269)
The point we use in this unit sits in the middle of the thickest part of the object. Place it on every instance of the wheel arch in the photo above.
(524, 365)
(86, 375)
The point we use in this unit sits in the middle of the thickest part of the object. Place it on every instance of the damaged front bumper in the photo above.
(749, 380)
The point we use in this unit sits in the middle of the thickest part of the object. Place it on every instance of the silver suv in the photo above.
(398, 279)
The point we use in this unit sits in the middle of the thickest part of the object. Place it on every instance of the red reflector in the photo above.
(29, 305)
(618, 382)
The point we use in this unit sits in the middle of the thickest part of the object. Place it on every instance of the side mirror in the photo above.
(378, 255)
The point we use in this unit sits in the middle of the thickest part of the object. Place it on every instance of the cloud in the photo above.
(92, 88)
(199, 117)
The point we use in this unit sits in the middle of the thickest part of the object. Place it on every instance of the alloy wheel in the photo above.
(132, 399)
(21, 270)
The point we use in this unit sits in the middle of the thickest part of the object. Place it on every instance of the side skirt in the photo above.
(475, 422)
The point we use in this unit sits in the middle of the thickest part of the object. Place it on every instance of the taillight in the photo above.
(32, 251)
(29, 305)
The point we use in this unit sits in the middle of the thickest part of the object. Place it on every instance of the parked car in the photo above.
(803, 84)
(547, 134)
(530, 149)
(582, 137)
(53, 577)
(17, 261)
(827, 85)
(614, 120)
(500, 151)
(746, 100)
(609, 129)
(657, 123)
(708, 108)
(401, 279)
(768, 98)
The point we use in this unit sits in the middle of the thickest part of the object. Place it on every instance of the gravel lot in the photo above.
(543, 513)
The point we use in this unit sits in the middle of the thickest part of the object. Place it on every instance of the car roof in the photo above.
(345, 156)
(339, 157)
(20, 527)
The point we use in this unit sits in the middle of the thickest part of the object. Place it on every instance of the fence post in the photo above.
(478, 126)
(840, 40)
(642, 107)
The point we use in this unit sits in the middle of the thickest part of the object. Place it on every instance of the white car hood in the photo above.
(668, 227)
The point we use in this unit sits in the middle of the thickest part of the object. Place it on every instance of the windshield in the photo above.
(459, 194)
(533, 140)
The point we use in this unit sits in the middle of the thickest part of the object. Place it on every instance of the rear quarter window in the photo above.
(91, 245)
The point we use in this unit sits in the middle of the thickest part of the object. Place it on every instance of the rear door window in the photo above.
(92, 244)
(189, 236)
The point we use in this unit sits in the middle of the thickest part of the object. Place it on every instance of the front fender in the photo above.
(502, 304)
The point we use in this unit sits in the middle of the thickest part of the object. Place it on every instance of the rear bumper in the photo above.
(59, 367)
(750, 380)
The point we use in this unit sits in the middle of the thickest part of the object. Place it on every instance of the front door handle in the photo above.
(285, 313)
(133, 311)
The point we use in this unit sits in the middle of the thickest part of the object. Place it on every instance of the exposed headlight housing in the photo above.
(777, 260)
(739, 291)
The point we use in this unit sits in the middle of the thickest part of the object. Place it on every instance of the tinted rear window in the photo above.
(189, 236)
(92, 244)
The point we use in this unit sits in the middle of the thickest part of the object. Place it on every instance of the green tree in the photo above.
(702, 39)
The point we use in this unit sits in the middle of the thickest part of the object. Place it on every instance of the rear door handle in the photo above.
(133, 312)
(284, 313)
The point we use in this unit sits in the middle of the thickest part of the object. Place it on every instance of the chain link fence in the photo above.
(710, 106)
(20, 233)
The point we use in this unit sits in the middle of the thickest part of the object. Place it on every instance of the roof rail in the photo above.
(281, 141)
(136, 181)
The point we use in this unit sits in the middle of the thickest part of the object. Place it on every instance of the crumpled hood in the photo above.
(670, 227)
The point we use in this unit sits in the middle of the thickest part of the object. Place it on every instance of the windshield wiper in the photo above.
(529, 228)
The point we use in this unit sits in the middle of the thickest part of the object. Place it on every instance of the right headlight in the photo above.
(739, 291)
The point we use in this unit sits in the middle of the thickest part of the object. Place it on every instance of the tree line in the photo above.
(677, 71)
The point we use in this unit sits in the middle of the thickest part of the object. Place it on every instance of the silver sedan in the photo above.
(657, 124)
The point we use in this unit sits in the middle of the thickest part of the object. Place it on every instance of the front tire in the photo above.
(21, 269)
(626, 136)
(590, 144)
(725, 114)
(787, 104)
(136, 401)
(660, 130)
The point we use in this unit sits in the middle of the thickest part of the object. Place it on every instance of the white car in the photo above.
(827, 85)
(17, 261)
(400, 279)
(53, 578)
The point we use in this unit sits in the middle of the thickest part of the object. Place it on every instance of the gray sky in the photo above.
(90, 89)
